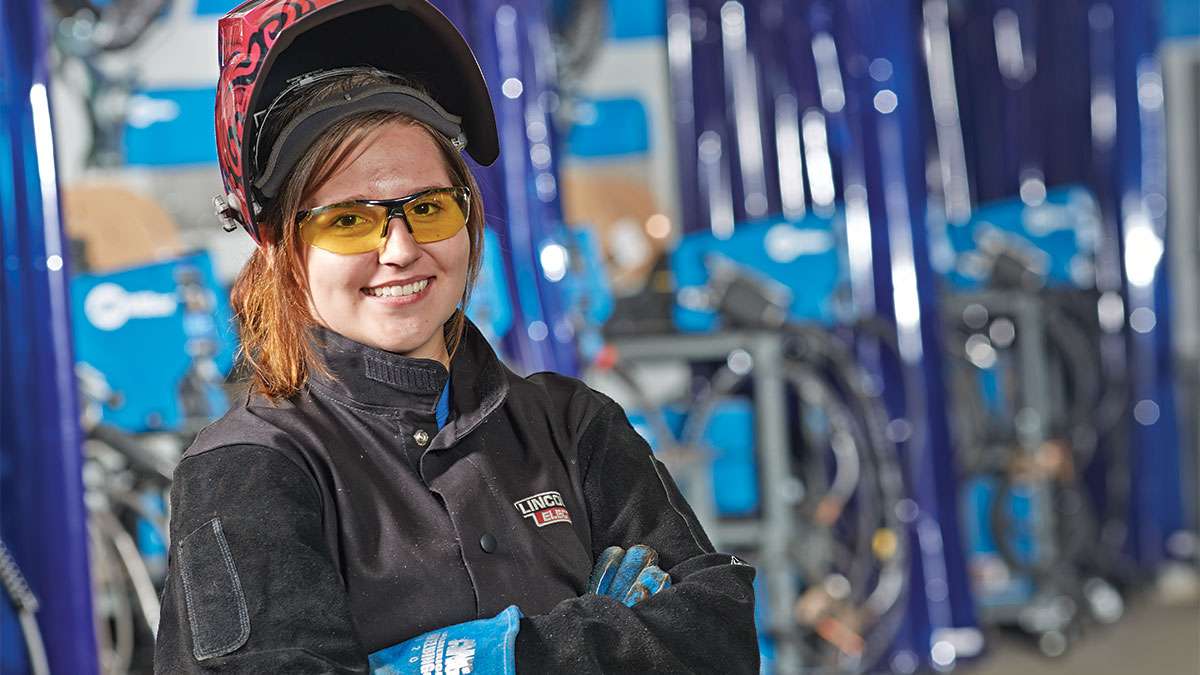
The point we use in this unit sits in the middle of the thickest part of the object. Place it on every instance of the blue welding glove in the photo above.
(628, 577)
(480, 647)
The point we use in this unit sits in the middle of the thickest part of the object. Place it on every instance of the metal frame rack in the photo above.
(768, 541)
(1066, 588)
(1036, 404)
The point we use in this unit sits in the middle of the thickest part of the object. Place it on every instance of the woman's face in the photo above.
(395, 160)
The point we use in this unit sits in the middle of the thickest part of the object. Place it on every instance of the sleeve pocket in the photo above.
(216, 606)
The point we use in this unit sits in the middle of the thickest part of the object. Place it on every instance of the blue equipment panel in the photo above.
(609, 128)
(139, 329)
(994, 583)
(215, 7)
(642, 425)
(729, 436)
(1060, 234)
(1180, 19)
(632, 19)
(171, 127)
(802, 255)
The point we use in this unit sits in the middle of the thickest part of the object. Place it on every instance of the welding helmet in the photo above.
(269, 48)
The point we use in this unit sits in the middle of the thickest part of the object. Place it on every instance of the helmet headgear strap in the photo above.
(290, 143)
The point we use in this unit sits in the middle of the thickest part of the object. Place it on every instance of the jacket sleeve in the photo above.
(703, 623)
(251, 586)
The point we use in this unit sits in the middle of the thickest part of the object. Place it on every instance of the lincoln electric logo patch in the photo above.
(544, 508)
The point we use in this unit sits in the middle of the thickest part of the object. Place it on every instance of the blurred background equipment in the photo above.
(904, 294)
(778, 130)
(177, 317)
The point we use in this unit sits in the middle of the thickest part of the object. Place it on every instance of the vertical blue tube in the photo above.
(706, 134)
(885, 108)
(684, 110)
(511, 40)
(540, 152)
(1138, 175)
(42, 516)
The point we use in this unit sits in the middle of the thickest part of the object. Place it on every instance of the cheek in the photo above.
(332, 275)
(460, 259)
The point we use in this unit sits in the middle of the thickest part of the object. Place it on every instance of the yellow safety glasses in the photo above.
(361, 226)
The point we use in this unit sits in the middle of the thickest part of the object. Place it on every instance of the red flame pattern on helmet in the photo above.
(246, 36)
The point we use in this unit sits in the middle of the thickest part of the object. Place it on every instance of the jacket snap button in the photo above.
(421, 437)
(488, 543)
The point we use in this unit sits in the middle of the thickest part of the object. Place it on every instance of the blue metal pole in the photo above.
(1138, 174)
(887, 100)
(1117, 448)
(512, 42)
(42, 515)
(706, 138)
(685, 111)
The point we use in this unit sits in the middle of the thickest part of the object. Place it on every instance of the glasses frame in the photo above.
(395, 209)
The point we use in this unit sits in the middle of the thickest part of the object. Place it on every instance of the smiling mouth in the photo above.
(398, 291)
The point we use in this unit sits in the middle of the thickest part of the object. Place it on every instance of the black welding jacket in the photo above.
(309, 533)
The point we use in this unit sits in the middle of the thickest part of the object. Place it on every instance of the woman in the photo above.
(390, 496)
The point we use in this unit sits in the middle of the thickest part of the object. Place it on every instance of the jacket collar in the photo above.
(478, 385)
(390, 382)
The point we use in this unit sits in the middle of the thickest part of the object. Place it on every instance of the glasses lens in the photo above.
(344, 228)
(438, 214)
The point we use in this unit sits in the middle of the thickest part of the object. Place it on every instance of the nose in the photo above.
(399, 248)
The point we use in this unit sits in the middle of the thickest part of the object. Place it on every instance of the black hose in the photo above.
(580, 28)
(834, 358)
(817, 393)
(144, 460)
(1083, 372)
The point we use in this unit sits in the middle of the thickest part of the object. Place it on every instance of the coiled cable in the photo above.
(26, 604)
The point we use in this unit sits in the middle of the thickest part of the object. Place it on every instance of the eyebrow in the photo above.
(358, 196)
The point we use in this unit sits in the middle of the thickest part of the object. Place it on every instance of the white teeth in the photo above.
(396, 291)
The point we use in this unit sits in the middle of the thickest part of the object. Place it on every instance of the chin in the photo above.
(405, 340)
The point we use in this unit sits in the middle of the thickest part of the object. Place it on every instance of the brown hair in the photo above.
(270, 295)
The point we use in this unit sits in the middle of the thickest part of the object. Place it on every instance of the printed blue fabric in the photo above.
(480, 647)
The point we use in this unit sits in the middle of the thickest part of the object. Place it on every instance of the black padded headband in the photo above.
(300, 133)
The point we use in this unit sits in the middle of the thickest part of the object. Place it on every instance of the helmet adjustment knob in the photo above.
(227, 211)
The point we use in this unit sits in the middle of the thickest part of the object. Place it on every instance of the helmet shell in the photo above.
(263, 43)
